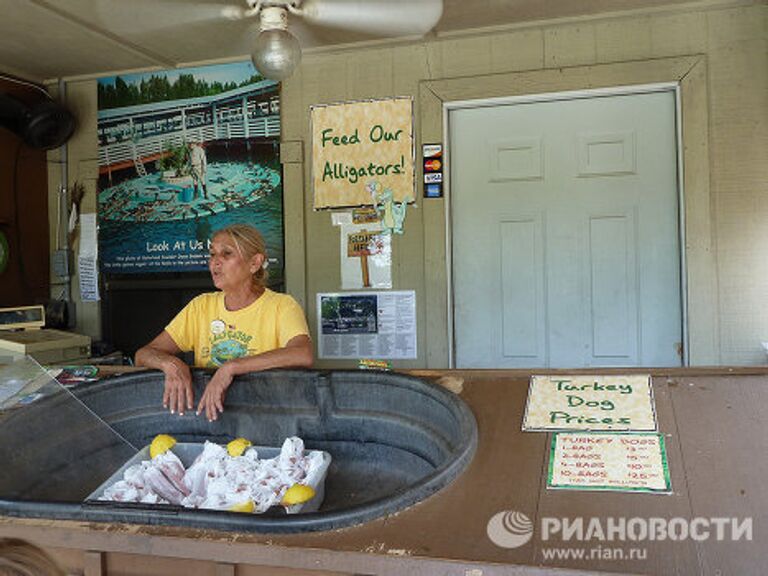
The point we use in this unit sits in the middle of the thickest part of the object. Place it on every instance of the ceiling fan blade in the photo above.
(153, 16)
(376, 17)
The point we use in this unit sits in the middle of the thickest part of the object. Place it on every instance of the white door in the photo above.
(565, 233)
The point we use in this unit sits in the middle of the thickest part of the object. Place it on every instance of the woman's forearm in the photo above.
(151, 357)
(297, 353)
(288, 357)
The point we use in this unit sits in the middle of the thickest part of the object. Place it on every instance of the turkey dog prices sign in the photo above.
(620, 402)
(357, 143)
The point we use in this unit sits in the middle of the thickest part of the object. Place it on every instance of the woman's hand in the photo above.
(213, 397)
(178, 391)
(160, 354)
(296, 353)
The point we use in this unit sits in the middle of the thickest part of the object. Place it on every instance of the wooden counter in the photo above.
(716, 448)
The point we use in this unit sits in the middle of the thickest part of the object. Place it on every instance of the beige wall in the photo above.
(727, 240)
(733, 242)
(82, 165)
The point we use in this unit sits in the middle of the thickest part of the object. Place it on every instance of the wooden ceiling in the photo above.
(48, 39)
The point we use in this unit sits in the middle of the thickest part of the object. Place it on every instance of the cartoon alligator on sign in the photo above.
(391, 213)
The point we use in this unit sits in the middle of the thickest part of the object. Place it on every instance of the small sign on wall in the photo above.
(356, 143)
(366, 251)
(368, 258)
(432, 155)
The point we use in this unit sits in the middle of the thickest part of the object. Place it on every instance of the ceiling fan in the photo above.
(277, 52)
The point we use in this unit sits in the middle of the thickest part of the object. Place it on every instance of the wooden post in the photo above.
(93, 561)
(364, 267)
(359, 245)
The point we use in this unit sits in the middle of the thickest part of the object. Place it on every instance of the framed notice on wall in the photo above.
(355, 325)
(361, 149)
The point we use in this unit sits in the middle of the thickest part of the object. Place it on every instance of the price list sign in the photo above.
(617, 402)
(609, 461)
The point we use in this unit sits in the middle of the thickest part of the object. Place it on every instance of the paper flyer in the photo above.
(87, 259)
(377, 325)
(609, 461)
(366, 257)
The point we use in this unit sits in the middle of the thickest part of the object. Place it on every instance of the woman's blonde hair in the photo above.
(22, 558)
(249, 242)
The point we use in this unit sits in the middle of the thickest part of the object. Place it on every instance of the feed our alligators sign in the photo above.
(617, 402)
(355, 144)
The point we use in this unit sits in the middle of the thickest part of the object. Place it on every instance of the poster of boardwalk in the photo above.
(183, 153)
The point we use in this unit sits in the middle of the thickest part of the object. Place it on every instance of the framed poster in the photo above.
(183, 153)
(362, 153)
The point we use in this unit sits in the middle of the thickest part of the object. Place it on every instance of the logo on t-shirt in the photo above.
(228, 344)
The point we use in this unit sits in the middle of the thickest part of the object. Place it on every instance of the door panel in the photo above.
(565, 233)
(613, 287)
(521, 282)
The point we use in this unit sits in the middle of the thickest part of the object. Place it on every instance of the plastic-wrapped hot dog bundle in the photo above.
(217, 480)
(172, 468)
(134, 487)
(159, 484)
(199, 474)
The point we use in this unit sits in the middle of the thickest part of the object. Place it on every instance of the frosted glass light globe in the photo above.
(276, 54)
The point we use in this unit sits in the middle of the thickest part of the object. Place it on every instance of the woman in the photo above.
(245, 327)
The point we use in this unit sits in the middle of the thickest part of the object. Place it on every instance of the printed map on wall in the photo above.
(183, 153)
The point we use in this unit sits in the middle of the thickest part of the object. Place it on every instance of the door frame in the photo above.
(451, 106)
(698, 260)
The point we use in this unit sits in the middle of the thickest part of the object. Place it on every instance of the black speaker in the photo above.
(44, 125)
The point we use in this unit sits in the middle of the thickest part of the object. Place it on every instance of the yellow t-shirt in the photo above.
(216, 335)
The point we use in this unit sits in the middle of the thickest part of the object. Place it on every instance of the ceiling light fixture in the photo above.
(276, 52)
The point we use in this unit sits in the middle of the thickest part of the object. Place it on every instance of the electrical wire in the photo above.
(58, 220)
